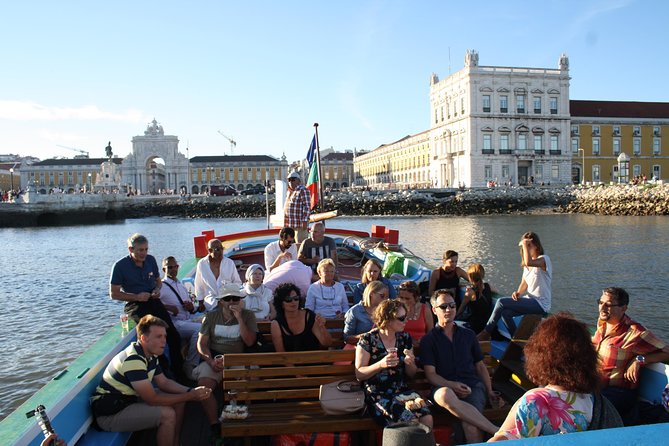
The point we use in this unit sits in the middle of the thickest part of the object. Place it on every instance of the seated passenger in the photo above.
(212, 273)
(476, 307)
(258, 296)
(370, 272)
(296, 329)
(384, 360)
(448, 276)
(294, 272)
(282, 250)
(327, 297)
(317, 247)
(419, 315)
(227, 329)
(567, 374)
(359, 318)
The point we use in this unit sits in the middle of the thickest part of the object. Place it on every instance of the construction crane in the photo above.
(84, 153)
(233, 143)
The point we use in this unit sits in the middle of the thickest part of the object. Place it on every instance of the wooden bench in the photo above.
(336, 327)
(281, 391)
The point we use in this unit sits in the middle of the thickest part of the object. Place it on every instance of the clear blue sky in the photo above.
(80, 73)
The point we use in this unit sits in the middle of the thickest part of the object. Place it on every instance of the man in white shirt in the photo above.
(176, 300)
(212, 273)
(282, 250)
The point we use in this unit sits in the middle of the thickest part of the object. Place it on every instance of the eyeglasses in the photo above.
(608, 304)
(215, 249)
(289, 299)
(402, 318)
(444, 307)
(231, 298)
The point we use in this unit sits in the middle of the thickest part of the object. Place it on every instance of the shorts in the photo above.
(204, 370)
(477, 398)
(135, 417)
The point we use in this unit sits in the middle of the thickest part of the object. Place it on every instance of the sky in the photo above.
(81, 73)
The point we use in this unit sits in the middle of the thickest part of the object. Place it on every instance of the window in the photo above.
(503, 104)
(616, 130)
(595, 172)
(505, 171)
(656, 171)
(555, 172)
(554, 103)
(486, 103)
(520, 103)
(537, 143)
(537, 104)
(656, 146)
(522, 141)
(595, 130)
(441, 112)
(616, 146)
(574, 130)
(555, 150)
(637, 131)
(462, 105)
(504, 143)
(636, 170)
(487, 172)
(574, 145)
(637, 146)
(595, 146)
(487, 143)
(455, 108)
(538, 170)
(656, 131)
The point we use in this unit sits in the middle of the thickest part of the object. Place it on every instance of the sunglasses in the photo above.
(443, 307)
(231, 298)
(172, 266)
(401, 318)
(607, 304)
(215, 249)
(291, 299)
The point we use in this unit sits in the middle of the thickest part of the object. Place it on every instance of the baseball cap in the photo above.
(294, 175)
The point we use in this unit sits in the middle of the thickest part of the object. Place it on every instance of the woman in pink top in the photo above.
(419, 318)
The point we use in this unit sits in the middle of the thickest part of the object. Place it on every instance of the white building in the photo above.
(501, 124)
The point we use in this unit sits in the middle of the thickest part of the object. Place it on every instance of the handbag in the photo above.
(342, 397)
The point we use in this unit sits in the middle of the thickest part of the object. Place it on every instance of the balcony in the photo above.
(505, 152)
(503, 110)
(489, 151)
(540, 152)
(556, 152)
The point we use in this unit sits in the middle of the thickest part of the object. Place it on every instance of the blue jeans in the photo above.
(506, 308)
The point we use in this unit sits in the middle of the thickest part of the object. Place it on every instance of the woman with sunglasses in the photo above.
(358, 318)
(419, 316)
(370, 272)
(384, 359)
(296, 329)
(226, 329)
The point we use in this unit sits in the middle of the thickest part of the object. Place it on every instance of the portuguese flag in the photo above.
(312, 181)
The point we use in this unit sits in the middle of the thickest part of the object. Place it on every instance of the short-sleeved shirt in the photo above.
(619, 347)
(357, 321)
(298, 207)
(130, 365)
(225, 335)
(273, 250)
(310, 249)
(453, 360)
(135, 279)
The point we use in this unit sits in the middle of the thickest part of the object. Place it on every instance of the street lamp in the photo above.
(90, 183)
(11, 176)
(582, 166)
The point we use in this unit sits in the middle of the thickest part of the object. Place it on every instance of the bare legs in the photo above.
(473, 420)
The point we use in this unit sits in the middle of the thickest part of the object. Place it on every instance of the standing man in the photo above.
(453, 364)
(282, 250)
(126, 399)
(317, 248)
(135, 279)
(176, 300)
(297, 207)
(623, 346)
(212, 272)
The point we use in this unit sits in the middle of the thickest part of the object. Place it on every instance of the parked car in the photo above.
(253, 190)
(223, 190)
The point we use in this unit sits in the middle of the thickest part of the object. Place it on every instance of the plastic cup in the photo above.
(124, 322)
(392, 351)
(219, 360)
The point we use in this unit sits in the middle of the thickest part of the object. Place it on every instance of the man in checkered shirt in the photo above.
(297, 208)
(623, 346)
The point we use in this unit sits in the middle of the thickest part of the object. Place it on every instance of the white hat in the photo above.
(230, 289)
(294, 175)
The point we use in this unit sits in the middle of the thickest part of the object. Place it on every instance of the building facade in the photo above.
(401, 164)
(239, 171)
(500, 124)
(602, 131)
(337, 169)
(70, 175)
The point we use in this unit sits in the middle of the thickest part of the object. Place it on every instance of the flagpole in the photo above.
(320, 174)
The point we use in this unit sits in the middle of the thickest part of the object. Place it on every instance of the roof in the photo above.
(618, 109)
(338, 156)
(76, 161)
(234, 159)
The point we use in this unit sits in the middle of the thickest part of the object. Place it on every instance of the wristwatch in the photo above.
(641, 359)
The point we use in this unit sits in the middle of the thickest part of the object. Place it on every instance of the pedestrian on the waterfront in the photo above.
(135, 280)
(624, 347)
(370, 272)
(297, 207)
(447, 276)
(212, 273)
(533, 295)
(567, 399)
(384, 361)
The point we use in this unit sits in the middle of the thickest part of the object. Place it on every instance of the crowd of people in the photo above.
(585, 382)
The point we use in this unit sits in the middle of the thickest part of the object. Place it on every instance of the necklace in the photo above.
(414, 312)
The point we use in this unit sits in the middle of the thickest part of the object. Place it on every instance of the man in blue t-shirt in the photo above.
(453, 364)
(135, 280)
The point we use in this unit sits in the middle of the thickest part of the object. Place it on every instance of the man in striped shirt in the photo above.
(126, 400)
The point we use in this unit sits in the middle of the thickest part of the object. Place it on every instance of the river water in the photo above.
(55, 280)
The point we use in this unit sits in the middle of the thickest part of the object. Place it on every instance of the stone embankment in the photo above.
(648, 199)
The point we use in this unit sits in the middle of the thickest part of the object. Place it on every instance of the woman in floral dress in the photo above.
(560, 357)
(383, 359)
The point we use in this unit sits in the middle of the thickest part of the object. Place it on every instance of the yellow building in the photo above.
(401, 164)
(67, 174)
(239, 171)
(337, 169)
(603, 130)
